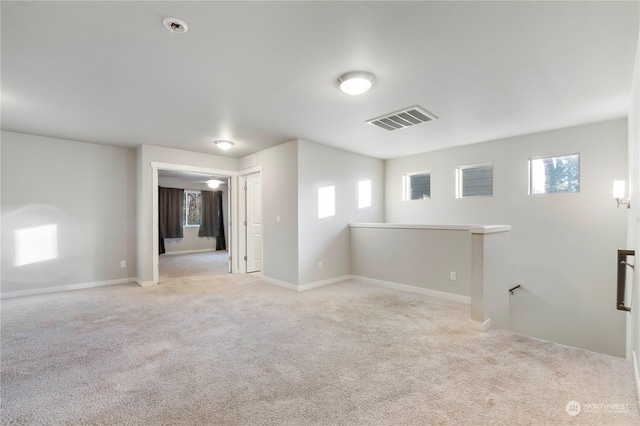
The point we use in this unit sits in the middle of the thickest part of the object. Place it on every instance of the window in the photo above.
(548, 175)
(326, 201)
(192, 203)
(364, 194)
(417, 186)
(475, 181)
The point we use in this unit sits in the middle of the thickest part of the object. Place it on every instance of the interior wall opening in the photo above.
(199, 245)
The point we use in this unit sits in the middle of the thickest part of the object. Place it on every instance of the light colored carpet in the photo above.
(193, 264)
(233, 350)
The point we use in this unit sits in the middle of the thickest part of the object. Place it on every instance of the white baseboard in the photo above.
(144, 283)
(168, 253)
(307, 286)
(279, 283)
(317, 284)
(480, 326)
(635, 371)
(412, 289)
(68, 287)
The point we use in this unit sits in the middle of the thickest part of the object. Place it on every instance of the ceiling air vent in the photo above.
(249, 161)
(404, 118)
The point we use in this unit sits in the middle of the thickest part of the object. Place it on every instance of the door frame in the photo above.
(232, 246)
(239, 265)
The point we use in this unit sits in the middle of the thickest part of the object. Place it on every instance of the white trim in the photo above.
(68, 287)
(184, 168)
(480, 326)
(474, 229)
(412, 289)
(412, 226)
(490, 229)
(145, 283)
(280, 283)
(190, 251)
(322, 283)
(635, 372)
(250, 171)
(308, 286)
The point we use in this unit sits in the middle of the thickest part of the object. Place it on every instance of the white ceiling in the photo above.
(263, 73)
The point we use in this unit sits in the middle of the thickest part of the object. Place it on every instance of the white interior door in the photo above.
(254, 223)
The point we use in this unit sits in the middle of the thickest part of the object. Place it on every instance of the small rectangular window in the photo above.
(475, 181)
(417, 186)
(192, 204)
(549, 175)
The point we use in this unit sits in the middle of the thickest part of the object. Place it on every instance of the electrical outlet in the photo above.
(278, 219)
(319, 265)
(453, 276)
(123, 264)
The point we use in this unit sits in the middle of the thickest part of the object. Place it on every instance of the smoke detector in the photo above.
(175, 25)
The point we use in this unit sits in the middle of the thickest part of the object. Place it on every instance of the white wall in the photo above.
(280, 198)
(327, 240)
(191, 241)
(88, 191)
(291, 176)
(422, 258)
(563, 246)
(146, 154)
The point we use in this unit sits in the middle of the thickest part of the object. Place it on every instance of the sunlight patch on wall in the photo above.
(37, 244)
(364, 194)
(326, 201)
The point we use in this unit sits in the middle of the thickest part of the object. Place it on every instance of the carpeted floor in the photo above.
(193, 265)
(233, 350)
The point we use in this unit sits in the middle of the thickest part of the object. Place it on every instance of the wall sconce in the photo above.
(618, 193)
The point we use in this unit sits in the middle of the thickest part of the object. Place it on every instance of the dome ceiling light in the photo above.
(224, 145)
(214, 183)
(356, 82)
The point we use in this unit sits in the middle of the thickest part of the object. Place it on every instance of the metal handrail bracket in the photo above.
(622, 278)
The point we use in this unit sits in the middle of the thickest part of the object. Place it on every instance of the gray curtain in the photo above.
(170, 207)
(212, 223)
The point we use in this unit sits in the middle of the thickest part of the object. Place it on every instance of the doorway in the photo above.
(192, 254)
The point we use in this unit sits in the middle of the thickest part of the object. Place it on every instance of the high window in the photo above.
(417, 186)
(475, 181)
(548, 175)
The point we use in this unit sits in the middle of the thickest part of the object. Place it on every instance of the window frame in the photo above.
(459, 180)
(406, 185)
(541, 157)
(185, 219)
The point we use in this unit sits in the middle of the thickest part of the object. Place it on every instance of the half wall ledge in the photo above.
(484, 259)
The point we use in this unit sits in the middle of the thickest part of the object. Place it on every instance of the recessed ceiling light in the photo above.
(356, 82)
(175, 25)
(224, 145)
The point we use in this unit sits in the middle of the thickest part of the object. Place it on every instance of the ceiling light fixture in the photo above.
(224, 145)
(356, 82)
(175, 25)
(213, 183)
